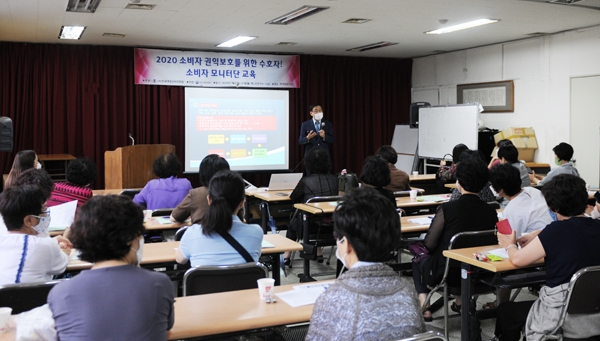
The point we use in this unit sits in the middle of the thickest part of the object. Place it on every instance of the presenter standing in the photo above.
(316, 132)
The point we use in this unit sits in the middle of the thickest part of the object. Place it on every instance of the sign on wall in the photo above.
(212, 69)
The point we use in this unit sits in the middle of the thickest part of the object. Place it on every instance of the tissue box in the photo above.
(522, 138)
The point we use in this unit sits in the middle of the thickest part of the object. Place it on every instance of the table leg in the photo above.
(264, 216)
(305, 277)
(276, 268)
(465, 292)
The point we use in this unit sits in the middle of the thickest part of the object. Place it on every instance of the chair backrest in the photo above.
(469, 239)
(212, 279)
(430, 335)
(582, 296)
(25, 296)
(495, 204)
(130, 192)
(159, 212)
(180, 232)
(324, 199)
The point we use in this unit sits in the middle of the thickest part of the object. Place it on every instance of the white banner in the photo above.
(211, 69)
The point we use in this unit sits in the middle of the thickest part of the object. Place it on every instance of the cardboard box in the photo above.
(522, 138)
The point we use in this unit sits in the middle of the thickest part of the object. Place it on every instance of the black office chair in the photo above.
(25, 296)
(450, 283)
(159, 212)
(582, 299)
(180, 232)
(212, 279)
(130, 192)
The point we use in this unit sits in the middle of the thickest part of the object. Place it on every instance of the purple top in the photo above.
(163, 193)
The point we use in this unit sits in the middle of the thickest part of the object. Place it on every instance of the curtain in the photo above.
(82, 100)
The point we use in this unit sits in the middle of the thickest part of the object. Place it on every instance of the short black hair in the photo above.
(211, 165)
(566, 194)
(105, 227)
(369, 222)
(38, 177)
(315, 105)
(226, 191)
(375, 172)
(508, 152)
(81, 172)
(317, 161)
(563, 151)
(457, 151)
(506, 177)
(504, 142)
(472, 173)
(18, 202)
(597, 197)
(166, 166)
(388, 153)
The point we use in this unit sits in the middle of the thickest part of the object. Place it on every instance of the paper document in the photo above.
(434, 198)
(314, 285)
(297, 298)
(62, 216)
(421, 221)
(266, 245)
(163, 220)
(501, 252)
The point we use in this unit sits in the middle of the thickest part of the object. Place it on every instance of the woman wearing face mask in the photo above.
(563, 153)
(24, 160)
(26, 257)
(369, 301)
(567, 245)
(115, 300)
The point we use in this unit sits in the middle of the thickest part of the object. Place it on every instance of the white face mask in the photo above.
(139, 253)
(337, 253)
(39, 165)
(42, 227)
(319, 116)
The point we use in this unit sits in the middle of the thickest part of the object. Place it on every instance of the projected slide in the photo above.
(249, 128)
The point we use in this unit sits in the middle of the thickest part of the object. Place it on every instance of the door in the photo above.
(585, 127)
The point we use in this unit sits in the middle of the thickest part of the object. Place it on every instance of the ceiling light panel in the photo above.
(463, 26)
(236, 41)
(71, 32)
(293, 16)
(372, 46)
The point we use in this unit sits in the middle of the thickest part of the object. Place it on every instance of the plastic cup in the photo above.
(4, 316)
(265, 289)
(413, 195)
(415, 173)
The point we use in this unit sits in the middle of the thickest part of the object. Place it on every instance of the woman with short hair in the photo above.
(115, 300)
(167, 191)
(27, 257)
(369, 301)
(205, 243)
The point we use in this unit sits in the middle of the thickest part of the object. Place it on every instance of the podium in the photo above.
(131, 166)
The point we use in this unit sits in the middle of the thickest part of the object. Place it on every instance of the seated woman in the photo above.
(195, 203)
(369, 301)
(24, 160)
(447, 174)
(80, 173)
(376, 174)
(563, 153)
(508, 153)
(115, 300)
(320, 183)
(467, 213)
(486, 193)
(399, 179)
(167, 191)
(567, 245)
(204, 243)
(26, 257)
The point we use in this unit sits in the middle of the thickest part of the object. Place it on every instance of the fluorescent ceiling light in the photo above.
(71, 32)
(466, 25)
(296, 15)
(236, 41)
(82, 6)
(372, 46)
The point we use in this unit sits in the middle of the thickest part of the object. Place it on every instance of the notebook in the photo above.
(284, 181)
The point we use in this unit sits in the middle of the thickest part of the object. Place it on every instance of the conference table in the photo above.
(158, 255)
(468, 264)
(152, 224)
(227, 313)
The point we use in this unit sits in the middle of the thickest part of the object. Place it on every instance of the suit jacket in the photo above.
(316, 141)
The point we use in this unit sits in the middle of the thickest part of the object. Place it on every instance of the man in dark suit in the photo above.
(316, 132)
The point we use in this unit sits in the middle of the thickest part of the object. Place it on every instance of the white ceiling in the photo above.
(202, 24)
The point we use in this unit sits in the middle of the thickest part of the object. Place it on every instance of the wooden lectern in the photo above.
(131, 166)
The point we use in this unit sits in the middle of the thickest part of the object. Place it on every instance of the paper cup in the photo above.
(147, 215)
(413, 195)
(4, 316)
(265, 288)
(415, 173)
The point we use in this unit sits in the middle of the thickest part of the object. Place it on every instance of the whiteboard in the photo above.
(405, 142)
(443, 127)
